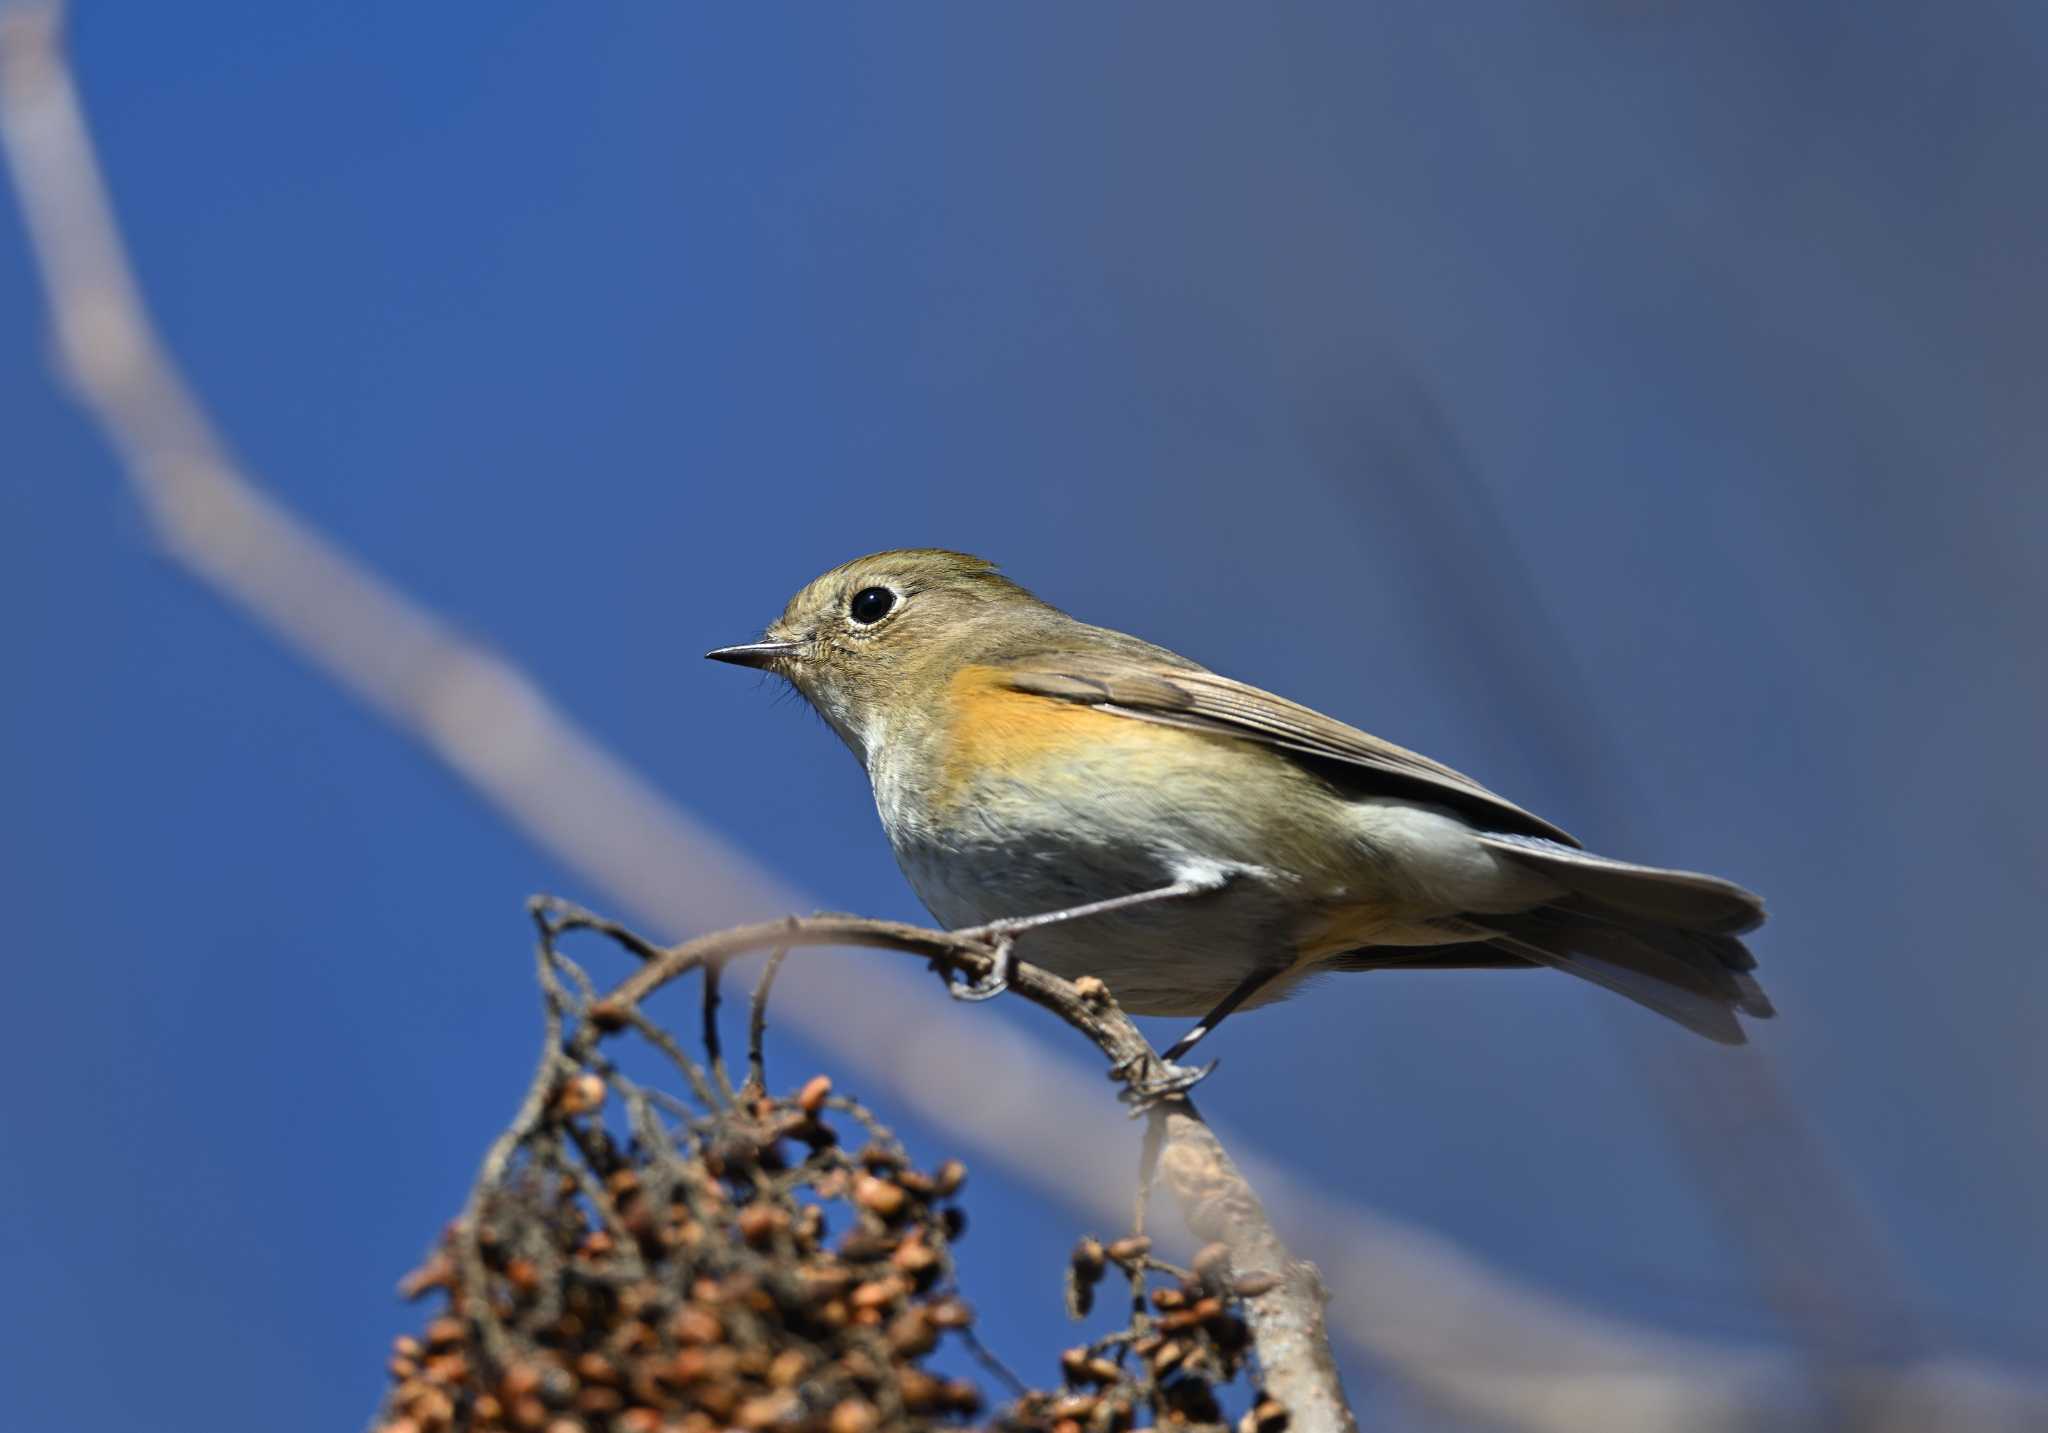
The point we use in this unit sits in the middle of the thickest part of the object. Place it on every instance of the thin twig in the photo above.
(714, 1049)
(757, 1019)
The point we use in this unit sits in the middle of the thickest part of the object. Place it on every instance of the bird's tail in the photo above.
(1667, 940)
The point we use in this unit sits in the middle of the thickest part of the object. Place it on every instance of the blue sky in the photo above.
(1634, 405)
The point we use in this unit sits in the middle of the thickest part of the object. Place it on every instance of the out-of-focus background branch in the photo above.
(1433, 559)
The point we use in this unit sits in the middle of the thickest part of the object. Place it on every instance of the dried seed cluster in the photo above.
(765, 1279)
(1186, 1339)
(636, 1262)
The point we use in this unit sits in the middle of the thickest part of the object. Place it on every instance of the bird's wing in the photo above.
(1156, 691)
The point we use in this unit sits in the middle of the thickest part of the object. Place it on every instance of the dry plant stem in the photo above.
(1217, 1202)
(757, 1019)
(1220, 1206)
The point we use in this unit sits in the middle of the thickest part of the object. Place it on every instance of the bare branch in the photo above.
(1217, 1202)
(757, 1018)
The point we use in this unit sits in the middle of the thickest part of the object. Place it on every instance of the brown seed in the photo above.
(638, 1420)
(1212, 1261)
(1079, 1406)
(528, 1413)
(406, 1346)
(1259, 1281)
(880, 1196)
(445, 1333)
(827, 1281)
(917, 1259)
(694, 1325)
(520, 1380)
(811, 1098)
(565, 1425)
(596, 1244)
(1168, 1354)
(863, 1246)
(402, 1368)
(948, 1177)
(878, 1293)
(523, 1275)
(921, 1392)
(913, 1334)
(1268, 1415)
(1130, 1249)
(598, 1402)
(434, 1409)
(448, 1369)
(596, 1368)
(703, 1365)
(437, 1273)
(1169, 1298)
(788, 1368)
(582, 1093)
(1091, 989)
(486, 1410)
(1101, 1370)
(765, 1411)
(760, 1223)
(1089, 1260)
(854, 1415)
(401, 1425)
(952, 1314)
(962, 1396)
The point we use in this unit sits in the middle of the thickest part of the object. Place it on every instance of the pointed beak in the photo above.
(754, 654)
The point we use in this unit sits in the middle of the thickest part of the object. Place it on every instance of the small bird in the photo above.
(1200, 845)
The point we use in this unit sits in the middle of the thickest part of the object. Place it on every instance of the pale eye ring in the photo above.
(870, 605)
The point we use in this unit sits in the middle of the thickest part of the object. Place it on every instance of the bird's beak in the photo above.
(754, 654)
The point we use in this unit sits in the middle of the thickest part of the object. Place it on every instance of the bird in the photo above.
(1106, 807)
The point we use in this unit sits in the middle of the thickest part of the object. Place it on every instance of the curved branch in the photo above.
(1217, 1201)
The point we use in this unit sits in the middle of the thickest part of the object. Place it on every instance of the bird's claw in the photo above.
(1167, 1081)
(997, 980)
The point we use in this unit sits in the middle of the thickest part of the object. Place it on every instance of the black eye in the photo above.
(870, 604)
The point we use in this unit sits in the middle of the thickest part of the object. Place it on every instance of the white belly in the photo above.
(1009, 856)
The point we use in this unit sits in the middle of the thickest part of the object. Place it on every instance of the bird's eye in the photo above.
(870, 604)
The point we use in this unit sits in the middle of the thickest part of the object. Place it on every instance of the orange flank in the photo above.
(993, 730)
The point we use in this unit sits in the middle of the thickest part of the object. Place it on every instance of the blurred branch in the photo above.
(1462, 1335)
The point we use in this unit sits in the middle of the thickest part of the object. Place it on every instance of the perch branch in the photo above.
(1217, 1202)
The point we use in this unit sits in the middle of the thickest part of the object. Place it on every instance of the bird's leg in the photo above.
(1174, 1079)
(1003, 933)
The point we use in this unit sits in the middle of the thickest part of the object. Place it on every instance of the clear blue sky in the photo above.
(1636, 405)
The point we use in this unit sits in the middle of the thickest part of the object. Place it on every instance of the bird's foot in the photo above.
(1148, 1080)
(1002, 960)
